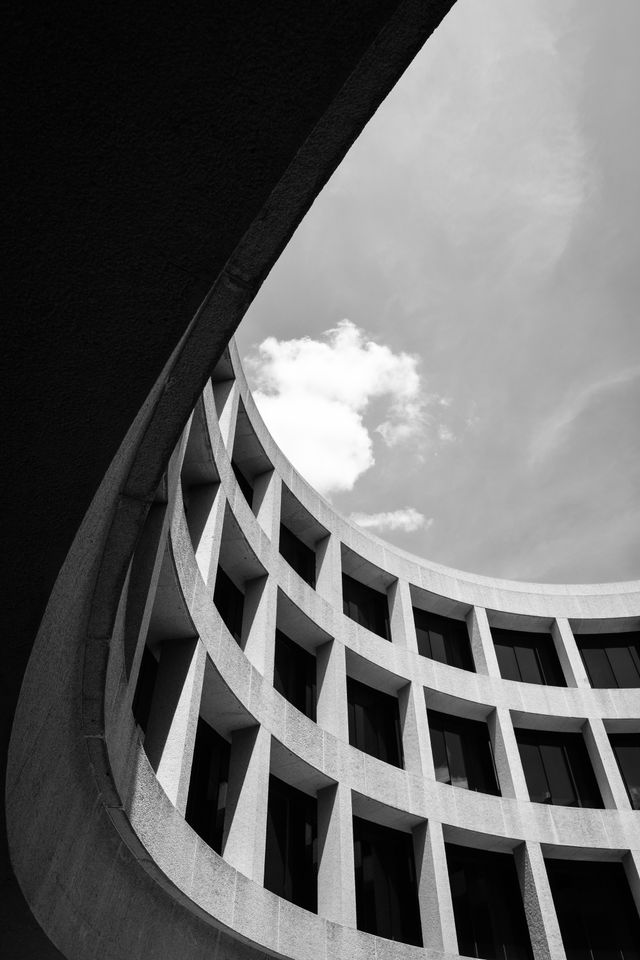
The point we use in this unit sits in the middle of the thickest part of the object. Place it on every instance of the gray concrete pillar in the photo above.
(226, 398)
(631, 863)
(245, 819)
(206, 517)
(605, 765)
(336, 874)
(542, 920)
(259, 623)
(416, 740)
(329, 570)
(506, 755)
(568, 654)
(434, 889)
(173, 719)
(267, 494)
(403, 628)
(332, 709)
(482, 647)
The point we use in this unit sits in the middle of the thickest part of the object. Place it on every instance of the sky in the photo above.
(449, 347)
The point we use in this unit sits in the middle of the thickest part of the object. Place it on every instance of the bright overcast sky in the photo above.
(449, 348)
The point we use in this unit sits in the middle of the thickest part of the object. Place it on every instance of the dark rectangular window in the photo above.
(243, 483)
(145, 686)
(386, 888)
(230, 603)
(596, 913)
(208, 785)
(611, 659)
(294, 675)
(366, 606)
(298, 555)
(557, 769)
(626, 747)
(374, 722)
(462, 753)
(443, 639)
(291, 854)
(529, 657)
(488, 910)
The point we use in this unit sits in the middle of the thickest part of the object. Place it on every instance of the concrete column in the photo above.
(331, 710)
(329, 570)
(568, 654)
(225, 396)
(416, 741)
(173, 720)
(403, 628)
(143, 581)
(206, 517)
(605, 765)
(539, 908)
(482, 647)
(259, 623)
(434, 889)
(506, 755)
(245, 820)
(267, 494)
(336, 874)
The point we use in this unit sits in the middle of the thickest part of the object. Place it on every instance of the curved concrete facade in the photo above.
(97, 835)
(181, 895)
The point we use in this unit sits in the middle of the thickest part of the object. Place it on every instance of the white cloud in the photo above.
(313, 394)
(407, 519)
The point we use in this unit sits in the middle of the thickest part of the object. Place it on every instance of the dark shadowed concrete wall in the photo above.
(153, 149)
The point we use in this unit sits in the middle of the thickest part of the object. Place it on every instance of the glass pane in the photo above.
(534, 772)
(507, 662)
(626, 747)
(558, 776)
(623, 666)
(440, 760)
(528, 665)
(455, 755)
(438, 651)
(598, 668)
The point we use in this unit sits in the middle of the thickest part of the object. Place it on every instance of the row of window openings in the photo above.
(556, 765)
(595, 909)
(611, 660)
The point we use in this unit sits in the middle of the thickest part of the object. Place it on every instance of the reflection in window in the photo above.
(488, 910)
(208, 785)
(386, 888)
(366, 606)
(374, 722)
(462, 753)
(597, 916)
(557, 769)
(294, 675)
(291, 853)
(626, 747)
(611, 659)
(230, 603)
(443, 639)
(298, 555)
(528, 657)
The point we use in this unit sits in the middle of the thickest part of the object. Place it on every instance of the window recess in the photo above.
(374, 722)
(207, 797)
(443, 639)
(527, 657)
(291, 854)
(229, 601)
(298, 555)
(611, 659)
(557, 769)
(366, 606)
(295, 674)
(462, 753)
(626, 747)
(386, 887)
